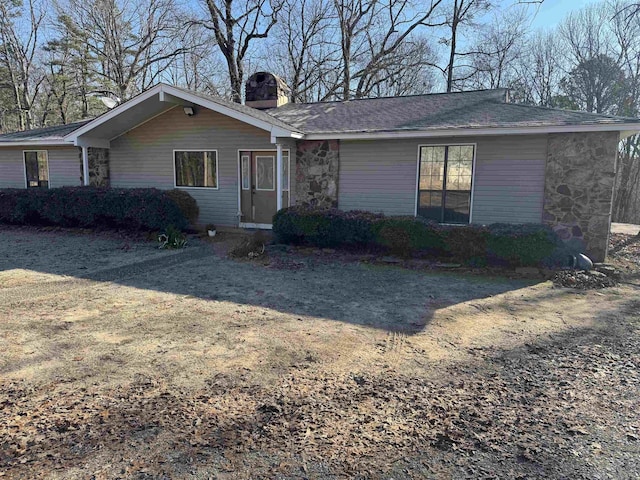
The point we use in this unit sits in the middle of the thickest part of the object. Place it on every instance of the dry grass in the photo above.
(183, 331)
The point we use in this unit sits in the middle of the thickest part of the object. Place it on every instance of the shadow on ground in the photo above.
(382, 297)
(561, 407)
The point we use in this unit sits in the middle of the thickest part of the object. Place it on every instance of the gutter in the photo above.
(626, 129)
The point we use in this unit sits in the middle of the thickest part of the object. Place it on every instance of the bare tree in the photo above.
(301, 47)
(19, 45)
(131, 42)
(376, 37)
(198, 68)
(389, 48)
(497, 49)
(462, 13)
(236, 25)
(538, 71)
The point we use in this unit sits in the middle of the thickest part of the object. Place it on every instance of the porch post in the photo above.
(279, 176)
(85, 166)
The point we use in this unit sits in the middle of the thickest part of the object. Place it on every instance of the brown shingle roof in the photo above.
(442, 111)
(56, 132)
(475, 109)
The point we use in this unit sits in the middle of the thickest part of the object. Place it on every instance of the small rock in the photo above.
(608, 270)
(597, 274)
(447, 265)
(391, 260)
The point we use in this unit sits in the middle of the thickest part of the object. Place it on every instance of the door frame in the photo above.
(261, 226)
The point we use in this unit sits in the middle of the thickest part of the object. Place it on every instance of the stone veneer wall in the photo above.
(579, 183)
(317, 167)
(98, 167)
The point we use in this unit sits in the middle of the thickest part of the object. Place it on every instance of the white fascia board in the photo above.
(43, 142)
(470, 132)
(168, 93)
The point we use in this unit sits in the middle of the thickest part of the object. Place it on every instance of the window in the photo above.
(265, 173)
(196, 168)
(444, 187)
(36, 166)
(246, 174)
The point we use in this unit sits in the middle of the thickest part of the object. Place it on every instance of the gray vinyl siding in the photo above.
(64, 166)
(509, 180)
(380, 176)
(11, 168)
(143, 157)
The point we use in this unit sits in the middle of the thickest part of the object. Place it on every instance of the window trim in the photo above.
(473, 175)
(275, 173)
(186, 187)
(24, 167)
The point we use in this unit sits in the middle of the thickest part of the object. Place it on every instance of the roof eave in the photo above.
(626, 129)
(39, 143)
(161, 90)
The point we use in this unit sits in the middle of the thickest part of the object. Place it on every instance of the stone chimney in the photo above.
(265, 90)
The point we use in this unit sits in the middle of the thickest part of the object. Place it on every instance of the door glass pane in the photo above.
(285, 171)
(246, 177)
(265, 173)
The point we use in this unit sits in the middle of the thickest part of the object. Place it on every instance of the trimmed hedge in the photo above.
(186, 203)
(498, 244)
(324, 227)
(132, 209)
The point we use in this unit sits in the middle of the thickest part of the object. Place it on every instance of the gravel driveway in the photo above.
(123, 361)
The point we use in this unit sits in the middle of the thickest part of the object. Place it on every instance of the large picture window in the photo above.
(196, 168)
(444, 186)
(36, 166)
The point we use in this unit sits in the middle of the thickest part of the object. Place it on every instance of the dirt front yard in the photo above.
(122, 361)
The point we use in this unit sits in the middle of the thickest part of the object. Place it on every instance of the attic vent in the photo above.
(266, 90)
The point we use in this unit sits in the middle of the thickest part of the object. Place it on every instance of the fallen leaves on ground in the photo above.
(534, 411)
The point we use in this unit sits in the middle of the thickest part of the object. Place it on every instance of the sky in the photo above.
(552, 12)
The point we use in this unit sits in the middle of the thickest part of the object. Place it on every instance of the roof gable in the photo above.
(158, 100)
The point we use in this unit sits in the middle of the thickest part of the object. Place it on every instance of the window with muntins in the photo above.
(36, 166)
(444, 183)
(197, 169)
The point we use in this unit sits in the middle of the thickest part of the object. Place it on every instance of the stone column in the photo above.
(98, 159)
(317, 167)
(579, 183)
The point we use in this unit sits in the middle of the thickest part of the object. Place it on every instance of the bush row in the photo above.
(132, 209)
(497, 244)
